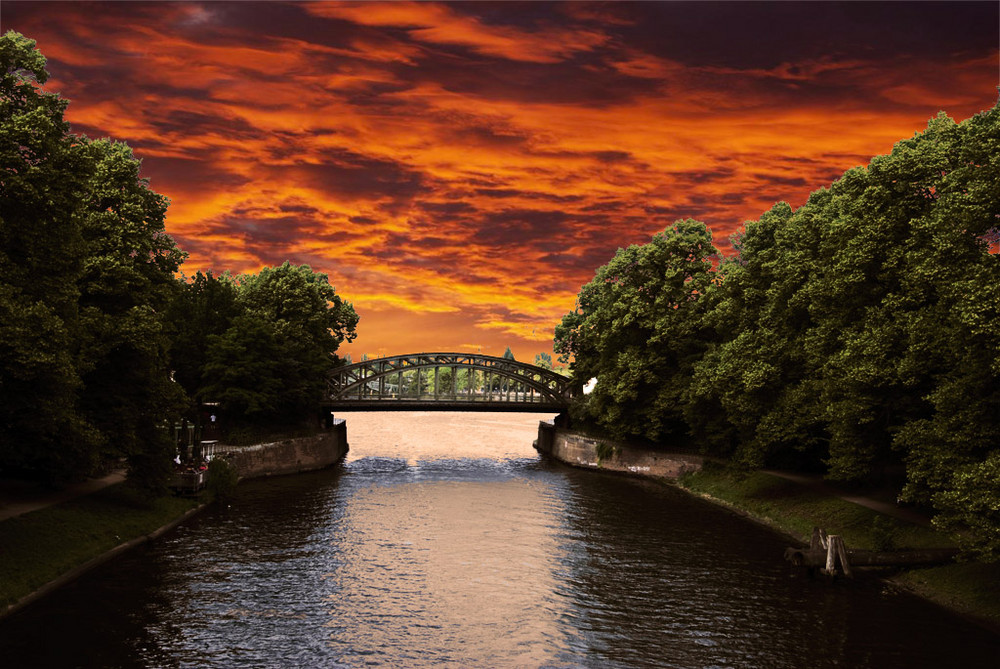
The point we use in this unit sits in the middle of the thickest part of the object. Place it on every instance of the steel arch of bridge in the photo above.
(397, 382)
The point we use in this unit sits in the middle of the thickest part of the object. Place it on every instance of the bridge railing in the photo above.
(447, 377)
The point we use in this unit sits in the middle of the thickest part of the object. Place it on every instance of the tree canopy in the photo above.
(272, 361)
(858, 332)
(100, 345)
(85, 270)
(634, 329)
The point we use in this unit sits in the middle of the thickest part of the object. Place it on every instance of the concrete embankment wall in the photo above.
(289, 456)
(583, 451)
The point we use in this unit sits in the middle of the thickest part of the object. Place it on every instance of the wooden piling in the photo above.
(829, 551)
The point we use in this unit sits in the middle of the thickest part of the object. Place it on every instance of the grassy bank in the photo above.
(40, 546)
(969, 588)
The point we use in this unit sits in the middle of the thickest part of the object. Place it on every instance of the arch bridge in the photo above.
(447, 382)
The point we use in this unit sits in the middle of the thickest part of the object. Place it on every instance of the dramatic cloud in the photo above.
(460, 169)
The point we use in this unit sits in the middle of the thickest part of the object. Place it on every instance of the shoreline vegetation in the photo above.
(106, 344)
(970, 589)
(42, 549)
(854, 335)
(866, 517)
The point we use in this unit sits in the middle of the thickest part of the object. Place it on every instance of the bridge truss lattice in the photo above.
(452, 381)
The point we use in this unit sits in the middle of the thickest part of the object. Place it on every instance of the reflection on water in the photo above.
(440, 571)
(445, 541)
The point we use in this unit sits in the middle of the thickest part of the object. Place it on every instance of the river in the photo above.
(444, 540)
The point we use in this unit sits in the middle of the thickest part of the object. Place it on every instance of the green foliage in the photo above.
(303, 300)
(857, 332)
(605, 450)
(883, 533)
(42, 173)
(222, 479)
(796, 509)
(125, 287)
(863, 328)
(637, 329)
(268, 359)
(543, 360)
(508, 354)
(446, 380)
(971, 504)
(85, 274)
(199, 309)
(970, 587)
(40, 546)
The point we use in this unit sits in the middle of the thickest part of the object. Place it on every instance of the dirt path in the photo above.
(17, 497)
(819, 485)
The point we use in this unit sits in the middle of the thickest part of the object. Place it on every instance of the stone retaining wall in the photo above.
(583, 451)
(289, 456)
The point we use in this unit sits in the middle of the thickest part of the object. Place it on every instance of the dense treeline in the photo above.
(93, 322)
(261, 345)
(858, 331)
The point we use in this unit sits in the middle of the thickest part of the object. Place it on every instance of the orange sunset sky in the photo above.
(459, 170)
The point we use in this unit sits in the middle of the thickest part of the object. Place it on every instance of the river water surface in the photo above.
(444, 540)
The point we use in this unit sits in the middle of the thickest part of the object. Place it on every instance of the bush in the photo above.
(222, 479)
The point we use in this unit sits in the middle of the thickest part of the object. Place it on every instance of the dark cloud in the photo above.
(259, 233)
(749, 35)
(609, 205)
(188, 122)
(447, 208)
(188, 175)
(595, 87)
(298, 209)
(695, 177)
(502, 193)
(776, 179)
(354, 175)
(612, 156)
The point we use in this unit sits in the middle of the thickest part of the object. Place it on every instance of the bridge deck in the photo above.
(447, 382)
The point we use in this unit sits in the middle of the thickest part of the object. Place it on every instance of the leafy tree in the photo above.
(85, 272)
(953, 338)
(43, 173)
(201, 308)
(754, 392)
(270, 366)
(300, 297)
(543, 360)
(637, 329)
(125, 288)
(243, 371)
(861, 329)
(968, 505)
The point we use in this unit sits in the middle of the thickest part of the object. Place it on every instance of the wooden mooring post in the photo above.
(833, 545)
(827, 552)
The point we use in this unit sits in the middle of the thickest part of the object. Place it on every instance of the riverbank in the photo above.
(49, 547)
(969, 588)
(55, 543)
(793, 508)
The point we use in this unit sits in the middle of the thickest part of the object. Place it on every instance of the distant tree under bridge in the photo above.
(448, 382)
